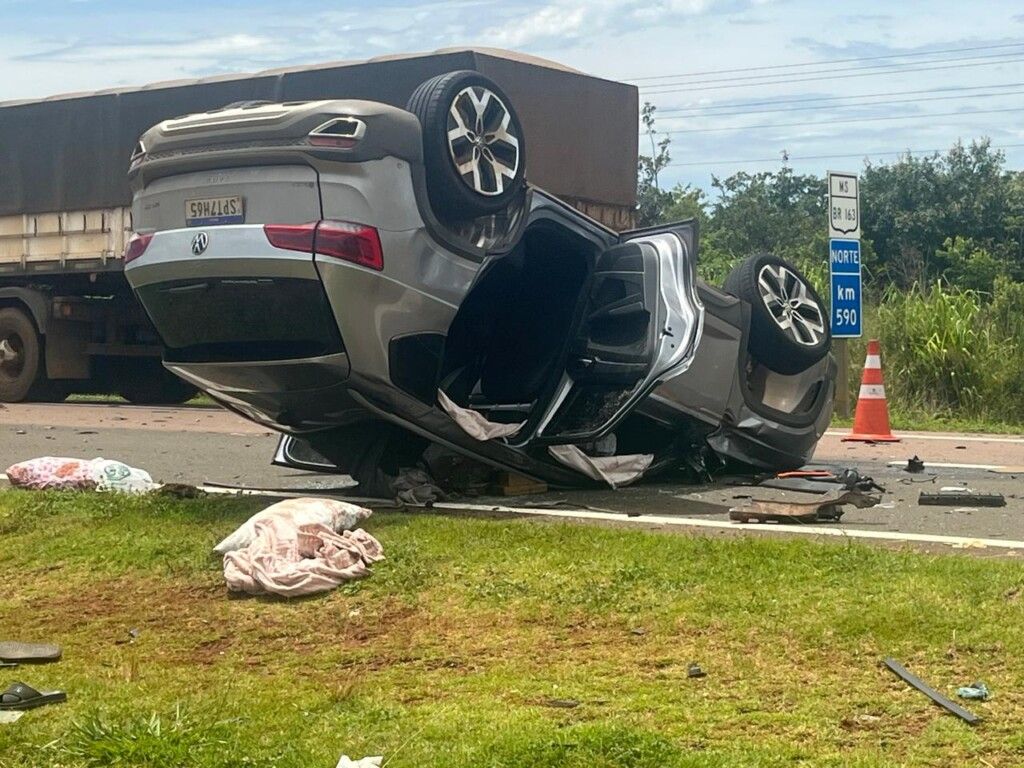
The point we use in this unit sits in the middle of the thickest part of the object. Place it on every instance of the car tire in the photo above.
(491, 149)
(21, 355)
(157, 386)
(789, 329)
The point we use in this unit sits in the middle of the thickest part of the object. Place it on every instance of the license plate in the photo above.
(211, 211)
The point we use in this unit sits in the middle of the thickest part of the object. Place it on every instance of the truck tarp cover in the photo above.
(72, 152)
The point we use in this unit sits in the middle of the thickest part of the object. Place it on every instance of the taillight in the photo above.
(137, 246)
(291, 237)
(351, 242)
(356, 243)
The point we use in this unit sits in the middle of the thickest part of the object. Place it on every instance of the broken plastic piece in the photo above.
(914, 465)
(976, 690)
(913, 680)
(695, 670)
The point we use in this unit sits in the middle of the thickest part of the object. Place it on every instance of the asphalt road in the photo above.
(197, 445)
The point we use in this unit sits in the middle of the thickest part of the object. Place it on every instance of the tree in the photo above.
(651, 198)
(911, 207)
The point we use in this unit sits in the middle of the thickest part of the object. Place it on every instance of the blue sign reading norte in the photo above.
(844, 267)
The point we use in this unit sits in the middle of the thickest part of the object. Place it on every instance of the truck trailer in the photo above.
(69, 322)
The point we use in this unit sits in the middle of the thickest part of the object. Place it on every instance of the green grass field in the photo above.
(459, 648)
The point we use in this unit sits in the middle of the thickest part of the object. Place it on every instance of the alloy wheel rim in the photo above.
(482, 140)
(790, 304)
(12, 356)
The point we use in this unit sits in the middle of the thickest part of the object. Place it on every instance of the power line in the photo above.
(834, 76)
(828, 61)
(958, 88)
(791, 158)
(847, 120)
(845, 106)
(896, 67)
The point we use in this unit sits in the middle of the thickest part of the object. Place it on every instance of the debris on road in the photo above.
(914, 681)
(828, 509)
(961, 497)
(914, 465)
(978, 691)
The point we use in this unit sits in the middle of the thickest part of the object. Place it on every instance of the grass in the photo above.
(200, 399)
(456, 651)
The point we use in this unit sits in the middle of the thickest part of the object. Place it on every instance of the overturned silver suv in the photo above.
(371, 282)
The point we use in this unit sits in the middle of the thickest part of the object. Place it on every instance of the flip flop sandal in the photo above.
(29, 653)
(20, 696)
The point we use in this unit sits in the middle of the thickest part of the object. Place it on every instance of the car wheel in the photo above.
(789, 329)
(20, 355)
(473, 145)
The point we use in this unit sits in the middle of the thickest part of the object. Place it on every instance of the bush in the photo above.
(950, 354)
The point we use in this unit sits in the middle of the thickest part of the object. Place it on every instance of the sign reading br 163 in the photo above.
(843, 206)
(844, 266)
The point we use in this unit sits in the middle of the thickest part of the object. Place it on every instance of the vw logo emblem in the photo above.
(199, 243)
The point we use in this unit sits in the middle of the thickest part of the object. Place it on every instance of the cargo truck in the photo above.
(68, 320)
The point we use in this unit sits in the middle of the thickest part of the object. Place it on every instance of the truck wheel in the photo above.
(789, 329)
(20, 355)
(155, 385)
(473, 145)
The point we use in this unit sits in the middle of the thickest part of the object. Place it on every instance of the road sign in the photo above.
(844, 267)
(843, 205)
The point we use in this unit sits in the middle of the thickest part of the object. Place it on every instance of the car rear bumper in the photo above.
(248, 323)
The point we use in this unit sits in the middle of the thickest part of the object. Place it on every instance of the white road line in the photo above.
(689, 522)
(681, 522)
(950, 438)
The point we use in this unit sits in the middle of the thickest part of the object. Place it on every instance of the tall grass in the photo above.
(952, 353)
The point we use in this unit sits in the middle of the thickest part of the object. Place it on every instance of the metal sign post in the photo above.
(845, 274)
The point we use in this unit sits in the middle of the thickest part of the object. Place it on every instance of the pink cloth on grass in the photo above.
(295, 560)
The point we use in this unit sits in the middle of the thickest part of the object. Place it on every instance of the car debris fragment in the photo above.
(914, 681)
(914, 465)
(977, 691)
(961, 497)
(827, 509)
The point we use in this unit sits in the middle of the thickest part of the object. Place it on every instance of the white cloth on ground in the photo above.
(337, 515)
(475, 424)
(294, 559)
(617, 471)
(366, 762)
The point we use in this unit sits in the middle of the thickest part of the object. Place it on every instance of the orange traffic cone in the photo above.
(871, 421)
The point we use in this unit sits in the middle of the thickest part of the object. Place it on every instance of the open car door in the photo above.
(640, 326)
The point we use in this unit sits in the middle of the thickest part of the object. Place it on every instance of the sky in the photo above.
(737, 83)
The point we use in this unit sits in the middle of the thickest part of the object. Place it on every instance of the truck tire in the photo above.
(789, 330)
(473, 145)
(21, 355)
(155, 385)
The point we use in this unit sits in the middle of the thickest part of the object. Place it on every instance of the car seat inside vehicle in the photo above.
(509, 337)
